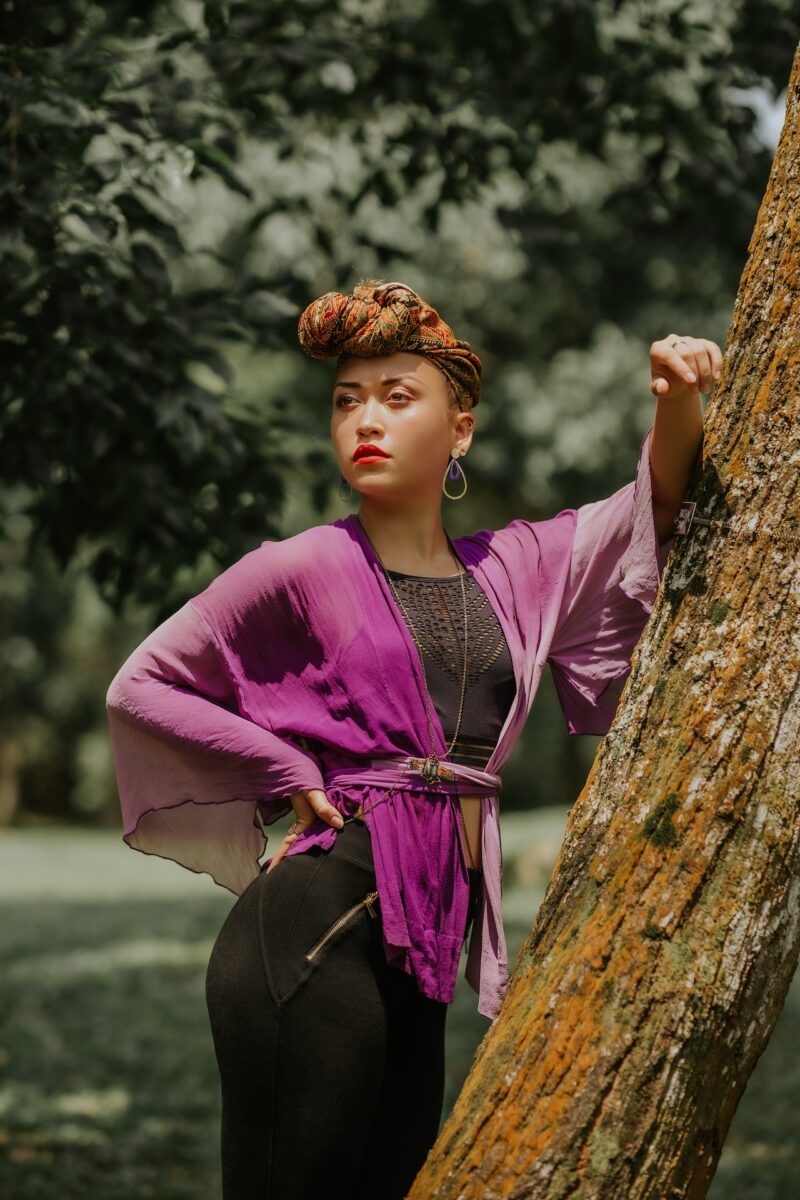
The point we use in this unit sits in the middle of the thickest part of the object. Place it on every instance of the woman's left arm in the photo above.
(681, 368)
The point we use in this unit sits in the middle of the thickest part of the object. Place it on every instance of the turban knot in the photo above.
(381, 318)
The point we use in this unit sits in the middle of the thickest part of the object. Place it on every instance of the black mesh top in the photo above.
(436, 609)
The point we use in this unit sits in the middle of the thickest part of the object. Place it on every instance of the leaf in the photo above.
(216, 15)
(47, 114)
(173, 40)
(218, 161)
(215, 361)
(150, 264)
(164, 212)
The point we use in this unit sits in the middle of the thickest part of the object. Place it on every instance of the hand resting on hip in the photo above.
(308, 805)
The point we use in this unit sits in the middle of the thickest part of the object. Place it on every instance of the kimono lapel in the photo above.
(486, 968)
(374, 565)
(503, 610)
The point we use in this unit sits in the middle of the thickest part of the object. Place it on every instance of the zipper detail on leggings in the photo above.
(367, 903)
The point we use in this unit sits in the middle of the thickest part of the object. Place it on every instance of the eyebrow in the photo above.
(354, 383)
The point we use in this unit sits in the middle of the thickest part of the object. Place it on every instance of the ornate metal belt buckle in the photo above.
(430, 768)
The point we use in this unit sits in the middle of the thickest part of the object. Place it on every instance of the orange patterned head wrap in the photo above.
(381, 318)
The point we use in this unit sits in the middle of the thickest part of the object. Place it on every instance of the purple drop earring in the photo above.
(453, 469)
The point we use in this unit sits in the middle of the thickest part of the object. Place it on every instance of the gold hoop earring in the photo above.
(452, 473)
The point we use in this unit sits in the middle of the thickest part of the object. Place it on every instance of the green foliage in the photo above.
(121, 457)
(602, 142)
(179, 179)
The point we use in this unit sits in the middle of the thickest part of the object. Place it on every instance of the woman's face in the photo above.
(400, 404)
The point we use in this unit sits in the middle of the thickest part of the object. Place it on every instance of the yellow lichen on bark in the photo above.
(661, 954)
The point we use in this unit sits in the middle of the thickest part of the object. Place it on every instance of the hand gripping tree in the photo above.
(662, 953)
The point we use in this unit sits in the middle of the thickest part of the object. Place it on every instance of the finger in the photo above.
(276, 858)
(281, 851)
(717, 358)
(659, 385)
(671, 357)
(705, 370)
(323, 808)
(273, 862)
(697, 355)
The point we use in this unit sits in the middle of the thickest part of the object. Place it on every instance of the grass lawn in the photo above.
(108, 1083)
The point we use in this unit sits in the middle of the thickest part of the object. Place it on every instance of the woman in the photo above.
(373, 675)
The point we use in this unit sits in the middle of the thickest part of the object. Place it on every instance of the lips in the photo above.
(369, 451)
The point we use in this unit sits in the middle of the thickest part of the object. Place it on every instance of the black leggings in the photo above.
(331, 1067)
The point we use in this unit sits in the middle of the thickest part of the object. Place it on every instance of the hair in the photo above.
(453, 399)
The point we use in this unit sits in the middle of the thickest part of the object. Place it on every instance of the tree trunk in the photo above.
(9, 781)
(662, 953)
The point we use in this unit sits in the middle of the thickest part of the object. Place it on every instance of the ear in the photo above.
(465, 425)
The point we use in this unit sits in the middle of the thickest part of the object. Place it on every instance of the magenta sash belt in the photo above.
(406, 771)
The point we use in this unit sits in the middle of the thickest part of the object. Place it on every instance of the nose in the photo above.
(370, 418)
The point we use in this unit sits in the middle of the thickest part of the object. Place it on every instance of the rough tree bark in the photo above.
(662, 953)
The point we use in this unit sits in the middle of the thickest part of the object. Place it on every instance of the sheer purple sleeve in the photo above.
(615, 569)
(191, 766)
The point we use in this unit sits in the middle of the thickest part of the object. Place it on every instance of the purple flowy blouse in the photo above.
(300, 639)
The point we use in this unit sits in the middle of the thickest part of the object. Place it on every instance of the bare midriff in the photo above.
(471, 814)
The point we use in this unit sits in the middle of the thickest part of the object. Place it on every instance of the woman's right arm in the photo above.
(189, 766)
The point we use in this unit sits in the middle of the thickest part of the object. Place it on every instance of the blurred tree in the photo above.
(607, 139)
(179, 179)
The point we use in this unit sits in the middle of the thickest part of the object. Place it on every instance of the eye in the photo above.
(339, 402)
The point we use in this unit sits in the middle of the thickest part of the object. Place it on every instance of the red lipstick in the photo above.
(368, 453)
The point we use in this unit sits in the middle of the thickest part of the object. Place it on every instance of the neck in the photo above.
(408, 541)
